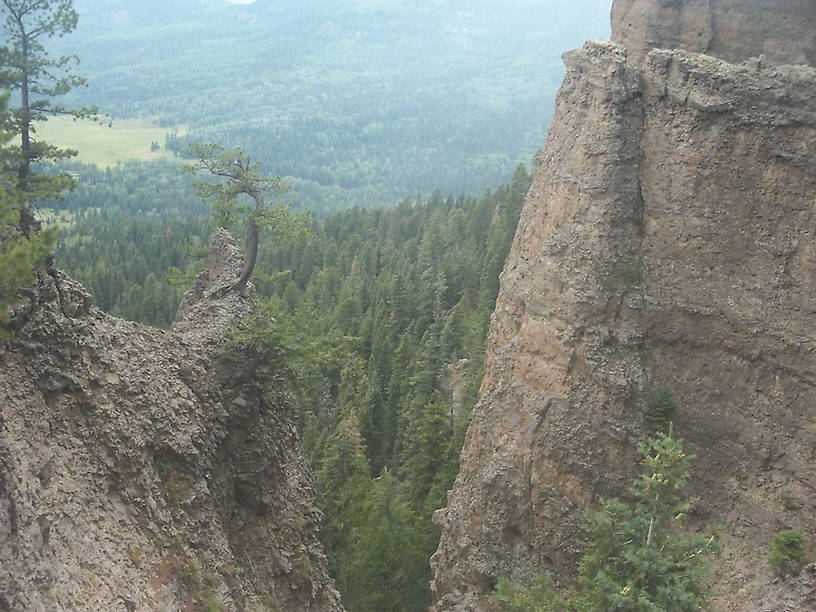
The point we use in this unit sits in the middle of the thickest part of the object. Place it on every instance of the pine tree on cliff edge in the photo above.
(638, 559)
(237, 174)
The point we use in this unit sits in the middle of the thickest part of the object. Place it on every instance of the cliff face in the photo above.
(667, 241)
(734, 30)
(140, 470)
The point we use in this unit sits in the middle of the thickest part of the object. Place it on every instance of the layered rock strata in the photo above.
(667, 241)
(142, 470)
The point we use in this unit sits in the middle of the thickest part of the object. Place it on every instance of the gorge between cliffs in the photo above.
(666, 244)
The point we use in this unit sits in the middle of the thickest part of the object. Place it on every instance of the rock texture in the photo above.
(141, 470)
(734, 30)
(797, 594)
(667, 241)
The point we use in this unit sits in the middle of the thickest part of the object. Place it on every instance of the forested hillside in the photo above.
(127, 227)
(379, 319)
(357, 103)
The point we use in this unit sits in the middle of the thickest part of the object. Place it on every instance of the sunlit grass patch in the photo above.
(104, 146)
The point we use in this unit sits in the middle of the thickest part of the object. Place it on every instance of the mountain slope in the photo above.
(358, 103)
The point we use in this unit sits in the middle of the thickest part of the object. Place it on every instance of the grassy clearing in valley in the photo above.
(104, 146)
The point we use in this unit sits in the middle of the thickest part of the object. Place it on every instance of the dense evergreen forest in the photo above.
(124, 228)
(379, 317)
(360, 103)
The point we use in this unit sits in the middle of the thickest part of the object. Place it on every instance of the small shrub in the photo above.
(537, 597)
(164, 469)
(214, 604)
(662, 409)
(789, 503)
(787, 552)
(135, 555)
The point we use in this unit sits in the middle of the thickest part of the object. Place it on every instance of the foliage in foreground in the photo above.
(538, 596)
(637, 558)
(19, 256)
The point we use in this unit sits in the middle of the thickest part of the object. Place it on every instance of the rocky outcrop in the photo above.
(141, 469)
(784, 31)
(667, 241)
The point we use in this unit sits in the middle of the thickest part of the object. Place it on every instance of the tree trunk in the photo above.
(652, 521)
(28, 223)
(251, 249)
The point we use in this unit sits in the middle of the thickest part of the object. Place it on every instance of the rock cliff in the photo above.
(667, 241)
(734, 30)
(141, 470)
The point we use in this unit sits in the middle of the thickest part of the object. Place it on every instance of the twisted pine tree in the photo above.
(237, 174)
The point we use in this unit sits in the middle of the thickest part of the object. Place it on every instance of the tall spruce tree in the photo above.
(35, 79)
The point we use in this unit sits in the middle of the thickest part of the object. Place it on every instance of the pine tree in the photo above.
(388, 566)
(344, 485)
(27, 69)
(637, 559)
(238, 175)
(20, 255)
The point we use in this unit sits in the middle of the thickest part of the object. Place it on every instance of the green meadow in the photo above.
(104, 145)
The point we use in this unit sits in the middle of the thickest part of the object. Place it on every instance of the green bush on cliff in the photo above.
(20, 255)
(637, 559)
(787, 552)
(538, 596)
(662, 408)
